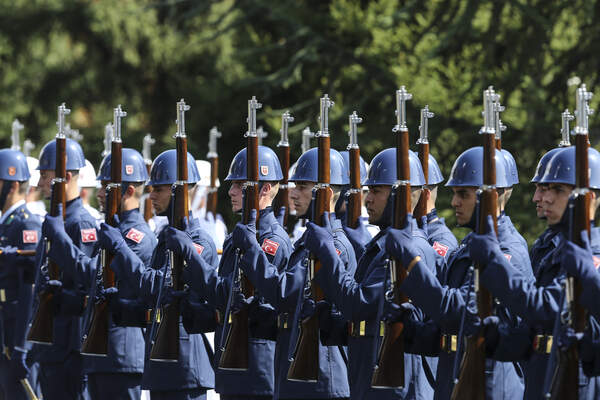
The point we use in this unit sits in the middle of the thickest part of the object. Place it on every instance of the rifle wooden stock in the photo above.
(148, 212)
(235, 354)
(96, 342)
(389, 371)
(211, 201)
(42, 326)
(166, 345)
(472, 381)
(282, 199)
(305, 365)
(354, 195)
(565, 382)
(421, 209)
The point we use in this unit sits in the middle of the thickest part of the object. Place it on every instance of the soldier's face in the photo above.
(45, 181)
(376, 201)
(101, 195)
(537, 199)
(160, 197)
(555, 201)
(235, 194)
(301, 196)
(463, 202)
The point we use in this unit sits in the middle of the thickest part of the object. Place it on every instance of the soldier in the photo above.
(439, 236)
(19, 230)
(61, 365)
(119, 373)
(273, 248)
(538, 302)
(444, 300)
(87, 183)
(360, 295)
(192, 374)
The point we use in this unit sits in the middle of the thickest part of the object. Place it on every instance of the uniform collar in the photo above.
(130, 215)
(73, 207)
(11, 210)
(266, 218)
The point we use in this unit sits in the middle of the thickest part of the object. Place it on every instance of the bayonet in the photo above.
(253, 105)
(118, 114)
(583, 110)
(353, 121)
(261, 135)
(108, 134)
(15, 138)
(181, 109)
(146, 145)
(489, 111)
(402, 96)
(306, 136)
(286, 118)
(326, 104)
(213, 135)
(424, 126)
(565, 131)
(27, 147)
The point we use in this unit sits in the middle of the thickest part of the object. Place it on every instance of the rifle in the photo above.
(213, 158)
(261, 134)
(282, 199)
(354, 194)
(305, 365)
(566, 116)
(235, 354)
(166, 346)
(96, 342)
(108, 132)
(42, 326)
(15, 139)
(565, 382)
(500, 127)
(306, 136)
(146, 144)
(423, 144)
(471, 381)
(389, 370)
(27, 147)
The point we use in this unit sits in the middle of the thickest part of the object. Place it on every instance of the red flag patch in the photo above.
(88, 235)
(264, 169)
(508, 256)
(596, 261)
(199, 248)
(30, 237)
(338, 252)
(440, 248)
(270, 247)
(128, 169)
(135, 235)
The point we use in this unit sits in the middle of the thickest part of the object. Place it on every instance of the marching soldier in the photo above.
(61, 363)
(445, 301)
(360, 295)
(20, 230)
(538, 302)
(191, 375)
(117, 374)
(272, 248)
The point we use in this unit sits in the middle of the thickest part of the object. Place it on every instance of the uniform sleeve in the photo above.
(74, 262)
(84, 235)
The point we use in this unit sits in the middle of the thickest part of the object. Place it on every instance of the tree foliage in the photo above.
(146, 54)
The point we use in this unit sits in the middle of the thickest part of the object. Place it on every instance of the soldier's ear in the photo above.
(266, 187)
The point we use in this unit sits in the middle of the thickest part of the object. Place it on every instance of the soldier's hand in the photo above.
(19, 363)
(171, 296)
(400, 244)
(109, 294)
(53, 227)
(482, 247)
(358, 236)
(110, 238)
(178, 241)
(319, 240)
(52, 286)
(393, 312)
(244, 235)
(578, 261)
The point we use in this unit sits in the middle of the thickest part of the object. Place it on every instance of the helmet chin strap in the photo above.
(6, 185)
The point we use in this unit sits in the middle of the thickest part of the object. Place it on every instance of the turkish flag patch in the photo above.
(508, 256)
(30, 237)
(199, 248)
(135, 235)
(88, 235)
(440, 248)
(128, 169)
(270, 247)
(338, 252)
(596, 261)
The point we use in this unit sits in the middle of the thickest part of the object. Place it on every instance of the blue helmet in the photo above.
(307, 168)
(435, 174)
(133, 167)
(13, 166)
(164, 169)
(269, 168)
(75, 158)
(561, 167)
(468, 169)
(543, 163)
(383, 169)
(511, 168)
(363, 166)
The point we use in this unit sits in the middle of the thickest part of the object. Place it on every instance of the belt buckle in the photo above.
(362, 328)
(2, 295)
